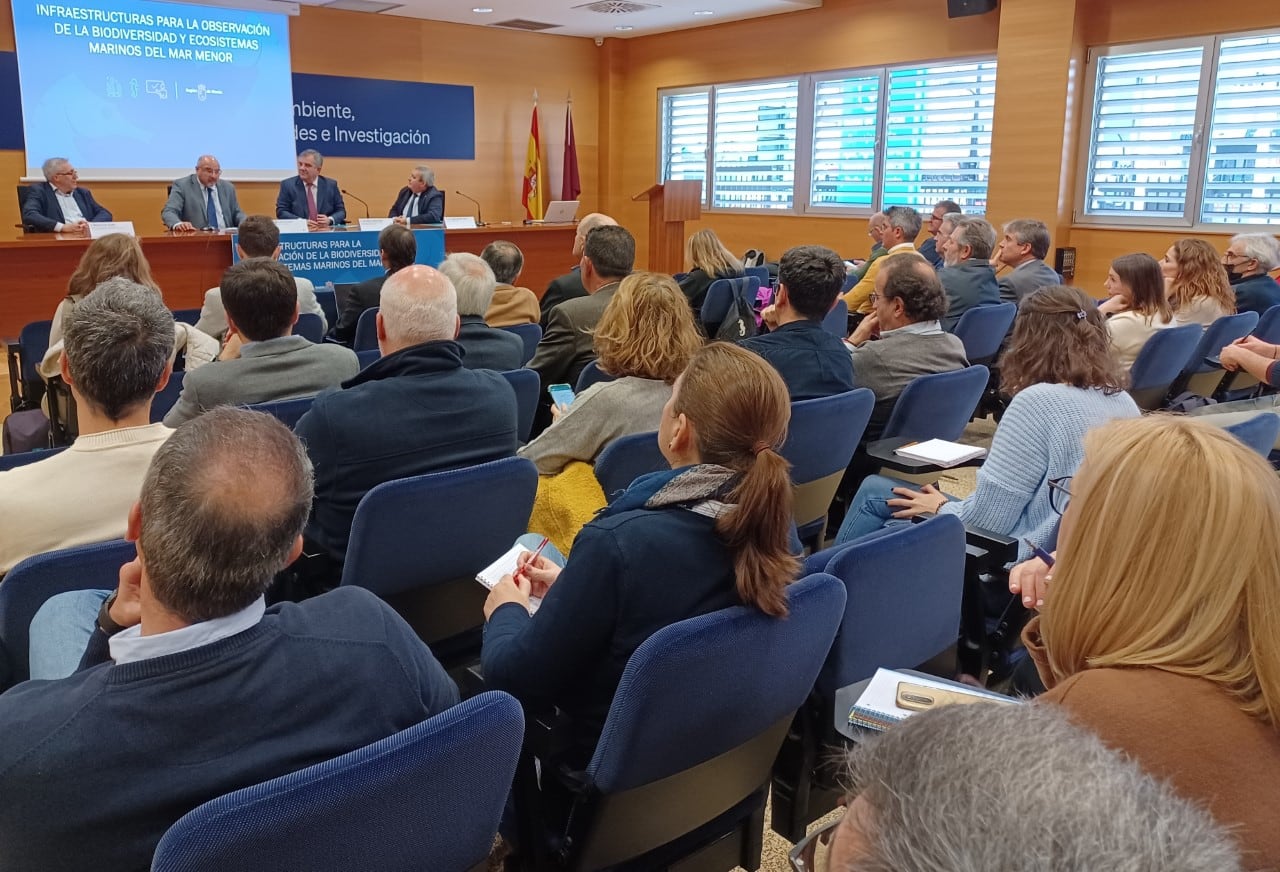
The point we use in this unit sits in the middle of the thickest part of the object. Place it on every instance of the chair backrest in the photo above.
(721, 293)
(1259, 432)
(429, 797)
(982, 329)
(168, 397)
(591, 374)
(33, 343)
(526, 384)
(287, 412)
(1268, 327)
(821, 439)
(759, 272)
(530, 335)
(903, 607)
(367, 356)
(328, 301)
(1160, 362)
(367, 331)
(837, 321)
(13, 461)
(186, 316)
(627, 458)
(26, 587)
(1220, 333)
(937, 406)
(310, 325)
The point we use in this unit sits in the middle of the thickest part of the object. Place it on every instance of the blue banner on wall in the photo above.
(346, 258)
(349, 117)
(11, 138)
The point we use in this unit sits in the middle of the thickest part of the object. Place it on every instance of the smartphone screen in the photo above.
(561, 395)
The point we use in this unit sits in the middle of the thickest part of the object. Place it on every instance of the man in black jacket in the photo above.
(569, 285)
(420, 201)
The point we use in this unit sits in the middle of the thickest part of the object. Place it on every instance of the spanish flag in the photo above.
(535, 185)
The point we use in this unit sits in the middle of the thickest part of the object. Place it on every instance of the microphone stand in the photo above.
(479, 220)
(357, 199)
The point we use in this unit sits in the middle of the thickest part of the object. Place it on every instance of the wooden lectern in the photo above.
(670, 205)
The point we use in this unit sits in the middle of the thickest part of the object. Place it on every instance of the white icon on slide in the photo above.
(133, 88)
(203, 92)
(113, 87)
(157, 87)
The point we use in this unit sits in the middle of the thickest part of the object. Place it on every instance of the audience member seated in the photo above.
(60, 205)
(258, 237)
(931, 249)
(511, 305)
(483, 347)
(115, 357)
(644, 340)
(875, 229)
(902, 338)
(108, 257)
(569, 285)
(812, 362)
(398, 249)
(1063, 379)
(967, 277)
(1257, 358)
(898, 237)
(1067, 802)
(712, 532)
(190, 687)
(1196, 283)
(708, 261)
(1137, 306)
(263, 360)
(1158, 627)
(414, 410)
(1249, 259)
(1023, 248)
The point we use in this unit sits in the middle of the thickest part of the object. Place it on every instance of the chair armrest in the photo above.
(882, 451)
(992, 550)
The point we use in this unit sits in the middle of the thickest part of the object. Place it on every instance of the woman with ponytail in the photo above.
(713, 531)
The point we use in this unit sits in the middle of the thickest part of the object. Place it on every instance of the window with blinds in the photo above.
(684, 136)
(846, 120)
(754, 145)
(1242, 167)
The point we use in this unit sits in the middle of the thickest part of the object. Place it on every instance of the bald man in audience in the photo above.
(569, 286)
(511, 305)
(415, 410)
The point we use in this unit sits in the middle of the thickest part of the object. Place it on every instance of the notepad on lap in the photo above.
(940, 452)
(877, 708)
(506, 565)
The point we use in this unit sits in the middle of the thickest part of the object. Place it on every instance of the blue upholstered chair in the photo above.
(1199, 375)
(837, 321)
(527, 385)
(287, 412)
(26, 587)
(328, 300)
(168, 397)
(1259, 432)
(25, 385)
(683, 761)
(902, 612)
(761, 273)
(426, 798)
(627, 458)
(591, 374)
(721, 294)
(1158, 365)
(368, 356)
(419, 542)
(186, 316)
(367, 331)
(937, 406)
(982, 329)
(530, 335)
(1241, 384)
(311, 326)
(821, 440)
(13, 461)
(1268, 326)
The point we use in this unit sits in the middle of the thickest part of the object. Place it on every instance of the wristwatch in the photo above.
(105, 623)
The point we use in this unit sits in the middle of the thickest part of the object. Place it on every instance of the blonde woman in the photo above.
(1160, 623)
(645, 339)
(708, 260)
(1198, 286)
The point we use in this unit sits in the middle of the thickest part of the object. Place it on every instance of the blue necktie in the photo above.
(211, 209)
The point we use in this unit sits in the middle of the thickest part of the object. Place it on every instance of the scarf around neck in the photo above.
(703, 488)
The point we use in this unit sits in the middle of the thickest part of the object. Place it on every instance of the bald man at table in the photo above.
(202, 200)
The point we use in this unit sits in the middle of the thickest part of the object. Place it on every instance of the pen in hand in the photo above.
(1040, 552)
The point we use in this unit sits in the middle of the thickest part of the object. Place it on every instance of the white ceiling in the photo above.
(572, 16)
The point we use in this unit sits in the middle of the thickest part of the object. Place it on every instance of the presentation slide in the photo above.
(135, 89)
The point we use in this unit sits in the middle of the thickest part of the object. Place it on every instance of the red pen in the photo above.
(536, 554)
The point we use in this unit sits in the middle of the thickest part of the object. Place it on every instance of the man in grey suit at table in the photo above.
(310, 195)
(202, 200)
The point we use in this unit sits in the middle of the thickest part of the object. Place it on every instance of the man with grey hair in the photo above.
(420, 201)
(570, 286)
(930, 250)
(190, 687)
(60, 205)
(1023, 248)
(1248, 259)
(202, 200)
(413, 411)
(926, 795)
(968, 277)
(898, 237)
(115, 357)
(484, 347)
(511, 305)
(310, 195)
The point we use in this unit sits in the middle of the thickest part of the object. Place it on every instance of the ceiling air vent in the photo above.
(616, 7)
(524, 24)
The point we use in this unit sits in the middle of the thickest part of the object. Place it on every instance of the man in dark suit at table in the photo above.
(569, 285)
(399, 249)
(310, 195)
(202, 200)
(420, 201)
(60, 205)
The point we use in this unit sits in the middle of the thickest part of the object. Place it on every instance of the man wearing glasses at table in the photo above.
(60, 205)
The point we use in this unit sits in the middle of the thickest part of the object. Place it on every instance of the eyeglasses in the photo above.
(804, 857)
(873, 297)
(66, 173)
(1059, 493)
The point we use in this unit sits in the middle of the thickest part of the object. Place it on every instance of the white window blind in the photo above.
(1242, 172)
(754, 146)
(684, 136)
(938, 135)
(846, 115)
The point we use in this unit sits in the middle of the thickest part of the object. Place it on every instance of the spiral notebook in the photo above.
(877, 708)
(506, 565)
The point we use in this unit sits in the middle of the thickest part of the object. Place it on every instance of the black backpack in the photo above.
(739, 322)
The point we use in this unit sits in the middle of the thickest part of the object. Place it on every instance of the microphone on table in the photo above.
(357, 199)
(479, 220)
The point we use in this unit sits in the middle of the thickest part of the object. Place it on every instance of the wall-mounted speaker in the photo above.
(961, 8)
